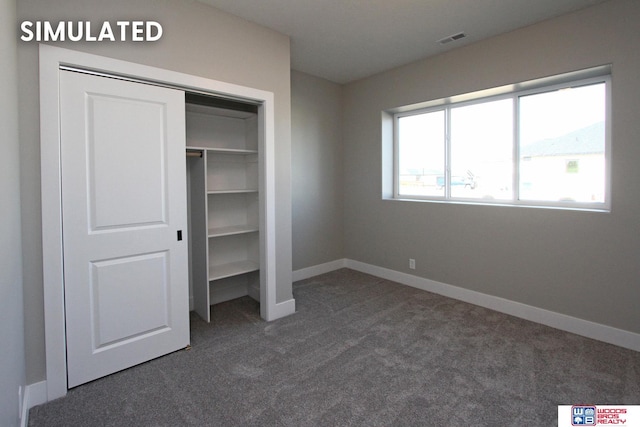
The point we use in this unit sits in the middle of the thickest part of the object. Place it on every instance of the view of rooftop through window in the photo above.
(562, 145)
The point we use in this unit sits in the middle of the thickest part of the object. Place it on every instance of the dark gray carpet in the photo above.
(360, 351)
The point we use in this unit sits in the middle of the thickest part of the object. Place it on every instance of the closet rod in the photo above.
(194, 153)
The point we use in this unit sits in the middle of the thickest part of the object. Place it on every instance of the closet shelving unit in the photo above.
(224, 170)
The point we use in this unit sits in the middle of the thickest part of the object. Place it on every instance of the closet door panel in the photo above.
(124, 201)
(137, 148)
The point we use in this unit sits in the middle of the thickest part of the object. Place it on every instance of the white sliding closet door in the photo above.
(124, 204)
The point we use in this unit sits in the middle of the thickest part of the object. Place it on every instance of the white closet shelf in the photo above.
(222, 271)
(231, 151)
(231, 191)
(231, 230)
(223, 150)
(225, 188)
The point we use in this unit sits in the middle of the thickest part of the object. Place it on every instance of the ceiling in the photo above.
(345, 40)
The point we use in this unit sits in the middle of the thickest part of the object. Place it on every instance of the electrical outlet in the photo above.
(412, 263)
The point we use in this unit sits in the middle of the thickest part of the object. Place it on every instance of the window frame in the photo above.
(581, 78)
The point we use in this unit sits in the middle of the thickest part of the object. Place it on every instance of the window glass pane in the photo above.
(562, 145)
(421, 149)
(482, 150)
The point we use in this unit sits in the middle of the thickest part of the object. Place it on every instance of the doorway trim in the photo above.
(51, 60)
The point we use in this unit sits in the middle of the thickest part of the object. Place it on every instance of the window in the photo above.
(546, 145)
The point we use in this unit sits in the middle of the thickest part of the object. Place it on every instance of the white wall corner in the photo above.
(560, 321)
(316, 270)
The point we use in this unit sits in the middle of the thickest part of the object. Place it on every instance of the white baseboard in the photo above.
(34, 394)
(316, 270)
(553, 319)
(37, 394)
(24, 410)
(227, 292)
(254, 292)
(282, 309)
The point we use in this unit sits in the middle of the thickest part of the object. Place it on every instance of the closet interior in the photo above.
(223, 178)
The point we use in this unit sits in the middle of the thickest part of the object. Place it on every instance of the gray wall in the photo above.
(198, 40)
(12, 367)
(317, 170)
(582, 264)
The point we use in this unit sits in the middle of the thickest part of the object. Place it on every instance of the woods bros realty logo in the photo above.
(77, 31)
(600, 415)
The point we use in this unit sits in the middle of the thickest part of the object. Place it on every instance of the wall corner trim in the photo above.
(585, 328)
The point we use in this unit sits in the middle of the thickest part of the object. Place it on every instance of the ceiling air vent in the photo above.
(452, 38)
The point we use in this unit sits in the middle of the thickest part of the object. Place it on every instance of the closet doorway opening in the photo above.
(225, 203)
(260, 249)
